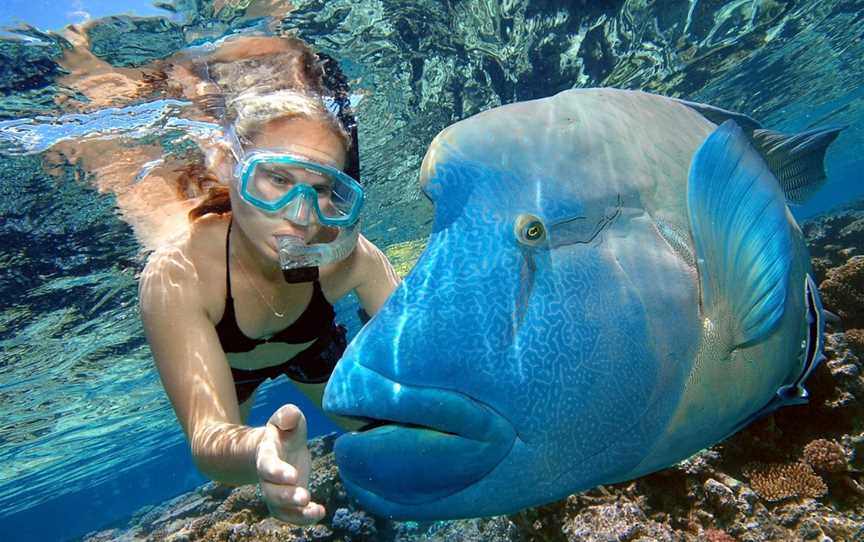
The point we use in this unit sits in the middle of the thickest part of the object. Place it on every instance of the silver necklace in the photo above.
(261, 295)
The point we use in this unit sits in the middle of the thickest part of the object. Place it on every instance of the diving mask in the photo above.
(277, 182)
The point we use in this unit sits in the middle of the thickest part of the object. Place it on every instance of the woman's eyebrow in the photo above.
(314, 175)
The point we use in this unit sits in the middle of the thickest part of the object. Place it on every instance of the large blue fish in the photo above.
(613, 282)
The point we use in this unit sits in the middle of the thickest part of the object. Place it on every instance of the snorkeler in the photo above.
(248, 293)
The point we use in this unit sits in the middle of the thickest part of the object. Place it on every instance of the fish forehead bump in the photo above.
(595, 143)
(490, 135)
(570, 119)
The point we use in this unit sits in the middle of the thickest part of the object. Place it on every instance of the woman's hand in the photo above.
(283, 461)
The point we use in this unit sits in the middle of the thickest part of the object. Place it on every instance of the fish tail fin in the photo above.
(742, 234)
(797, 160)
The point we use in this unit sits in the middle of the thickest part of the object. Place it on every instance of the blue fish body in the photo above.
(612, 283)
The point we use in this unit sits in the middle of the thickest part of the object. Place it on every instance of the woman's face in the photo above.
(305, 137)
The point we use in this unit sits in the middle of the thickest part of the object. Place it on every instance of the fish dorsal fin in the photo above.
(798, 160)
(718, 116)
(741, 232)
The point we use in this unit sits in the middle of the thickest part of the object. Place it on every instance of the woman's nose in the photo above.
(299, 211)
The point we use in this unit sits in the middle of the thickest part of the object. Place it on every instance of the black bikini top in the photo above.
(315, 321)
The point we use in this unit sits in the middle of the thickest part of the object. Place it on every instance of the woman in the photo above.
(247, 294)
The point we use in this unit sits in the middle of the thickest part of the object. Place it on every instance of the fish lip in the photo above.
(477, 420)
(399, 465)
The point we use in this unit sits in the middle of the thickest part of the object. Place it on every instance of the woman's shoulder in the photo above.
(366, 271)
(207, 238)
(199, 246)
(189, 267)
(349, 273)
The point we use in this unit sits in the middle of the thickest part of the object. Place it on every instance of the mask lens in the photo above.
(270, 182)
(342, 201)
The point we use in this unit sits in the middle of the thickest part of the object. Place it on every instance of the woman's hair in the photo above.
(246, 83)
(242, 82)
(249, 112)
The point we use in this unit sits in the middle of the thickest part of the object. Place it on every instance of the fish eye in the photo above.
(529, 230)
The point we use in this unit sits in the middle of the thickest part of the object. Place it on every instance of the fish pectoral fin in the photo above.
(742, 233)
(797, 160)
(795, 393)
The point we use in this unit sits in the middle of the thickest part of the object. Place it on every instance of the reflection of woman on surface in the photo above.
(247, 294)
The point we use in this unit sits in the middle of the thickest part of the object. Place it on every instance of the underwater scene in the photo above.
(580, 271)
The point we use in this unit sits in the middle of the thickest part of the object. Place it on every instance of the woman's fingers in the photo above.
(313, 512)
(291, 504)
(284, 496)
(270, 466)
(309, 514)
(283, 462)
(283, 443)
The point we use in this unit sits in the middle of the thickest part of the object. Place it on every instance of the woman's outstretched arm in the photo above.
(194, 370)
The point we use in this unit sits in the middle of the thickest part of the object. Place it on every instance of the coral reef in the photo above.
(826, 455)
(835, 237)
(843, 291)
(855, 338)
(778, 481)
(794, 475)
(404, 255)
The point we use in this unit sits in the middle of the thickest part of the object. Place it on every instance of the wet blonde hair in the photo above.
(249, 112)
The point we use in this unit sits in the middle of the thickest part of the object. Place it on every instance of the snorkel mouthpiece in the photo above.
(297, 264)
(301, 274)
(294, 252)
(300, 261)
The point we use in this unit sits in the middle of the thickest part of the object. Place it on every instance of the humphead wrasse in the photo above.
(613, 282)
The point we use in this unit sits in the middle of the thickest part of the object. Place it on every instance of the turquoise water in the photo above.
(87, 435)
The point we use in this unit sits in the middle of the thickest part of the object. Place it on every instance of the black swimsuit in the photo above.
(311, 366)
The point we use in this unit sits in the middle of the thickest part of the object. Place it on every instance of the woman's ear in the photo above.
(219, 161)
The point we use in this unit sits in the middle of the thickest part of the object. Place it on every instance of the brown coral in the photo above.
(825, 455)
(778, 481)
(855, 339)
(843, 292)
(716, 535)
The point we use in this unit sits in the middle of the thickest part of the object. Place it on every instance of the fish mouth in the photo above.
(375, 424)
(417, 444)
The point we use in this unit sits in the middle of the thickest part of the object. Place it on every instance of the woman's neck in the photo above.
(251, 258)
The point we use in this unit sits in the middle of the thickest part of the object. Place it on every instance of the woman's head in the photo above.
(276, 143)
(269, 95)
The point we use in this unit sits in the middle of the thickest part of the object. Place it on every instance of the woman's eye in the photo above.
(281, 180)
(323, 190)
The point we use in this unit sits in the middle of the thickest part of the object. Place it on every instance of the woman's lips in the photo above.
(294, 232)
